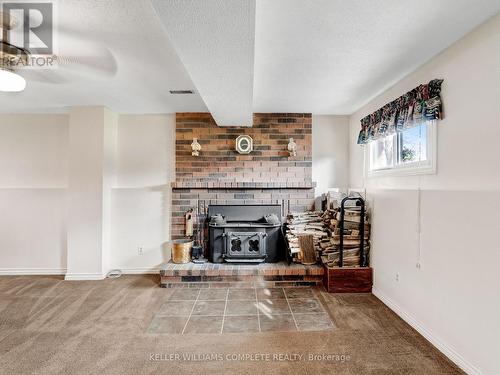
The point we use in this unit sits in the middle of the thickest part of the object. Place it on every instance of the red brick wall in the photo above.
(270, 160)
(222, 176)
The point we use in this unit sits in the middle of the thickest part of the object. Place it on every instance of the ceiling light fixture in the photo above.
(11, 82)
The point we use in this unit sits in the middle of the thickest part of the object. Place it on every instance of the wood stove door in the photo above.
(245, 245)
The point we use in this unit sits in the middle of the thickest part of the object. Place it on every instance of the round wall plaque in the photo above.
(244, 144)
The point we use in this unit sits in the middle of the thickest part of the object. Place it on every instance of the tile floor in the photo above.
(240, 310)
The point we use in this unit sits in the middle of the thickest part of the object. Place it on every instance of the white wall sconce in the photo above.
(195, 147)
(292, 147)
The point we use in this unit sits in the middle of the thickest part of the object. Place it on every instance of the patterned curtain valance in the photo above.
(421, 104)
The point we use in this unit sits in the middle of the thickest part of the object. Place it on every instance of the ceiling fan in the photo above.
(10, 81)
(96, 61)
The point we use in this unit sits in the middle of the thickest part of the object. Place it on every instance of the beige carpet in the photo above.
(51, 326)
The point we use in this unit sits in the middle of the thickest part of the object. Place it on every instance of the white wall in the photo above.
(447, 222)
(34, 192)
(330, 152)
(141, 197)
(92, 145)
(33, 182)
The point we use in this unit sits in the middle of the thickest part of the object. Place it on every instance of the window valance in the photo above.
(423, 103)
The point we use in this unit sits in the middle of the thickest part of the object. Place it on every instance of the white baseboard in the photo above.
(84, 276)
(32, 271)
(73, 276)
(431, 337)
(140, 271)
(125, 271)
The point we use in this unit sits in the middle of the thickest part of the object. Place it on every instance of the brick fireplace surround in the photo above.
(220, 175)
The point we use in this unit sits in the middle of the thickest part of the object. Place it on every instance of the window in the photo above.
(411, 151)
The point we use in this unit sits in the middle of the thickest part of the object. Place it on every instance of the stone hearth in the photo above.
(223, 275)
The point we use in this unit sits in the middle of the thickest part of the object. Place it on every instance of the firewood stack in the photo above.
(330, 252)
(305, 223)
(324, 227)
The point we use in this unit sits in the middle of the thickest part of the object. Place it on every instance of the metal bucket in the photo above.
(181, 250)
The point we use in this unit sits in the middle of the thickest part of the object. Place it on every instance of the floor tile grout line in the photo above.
(224, 313)
(290, 307)
(231, 315)
(258, 313)
(191, 313)
(219, 300)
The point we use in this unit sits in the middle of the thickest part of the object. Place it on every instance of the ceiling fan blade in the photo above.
(76, 55)
(50, 76)
(100, 61)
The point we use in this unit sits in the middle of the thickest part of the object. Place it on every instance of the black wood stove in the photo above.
(245, 233)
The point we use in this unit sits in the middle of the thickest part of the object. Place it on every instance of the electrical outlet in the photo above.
(140, 250)
(397, 277)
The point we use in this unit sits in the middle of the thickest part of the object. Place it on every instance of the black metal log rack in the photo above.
(362, 256)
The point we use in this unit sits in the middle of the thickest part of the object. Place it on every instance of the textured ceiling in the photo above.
(333, 56)
(215, 41)
(243, 56)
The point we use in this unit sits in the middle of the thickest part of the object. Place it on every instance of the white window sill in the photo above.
(408, 170)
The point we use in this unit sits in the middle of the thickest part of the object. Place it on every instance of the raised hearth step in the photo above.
(264, 275)
(224, 269)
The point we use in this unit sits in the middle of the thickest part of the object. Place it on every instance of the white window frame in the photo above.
(428, 166)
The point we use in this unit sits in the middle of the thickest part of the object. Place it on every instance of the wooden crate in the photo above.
(348, 279)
